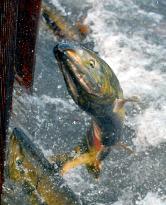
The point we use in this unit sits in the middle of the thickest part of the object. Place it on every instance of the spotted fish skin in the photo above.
(27, 166)
(95, 89)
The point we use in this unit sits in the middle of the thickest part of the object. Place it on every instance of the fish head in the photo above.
(19, 162)
(89, 79)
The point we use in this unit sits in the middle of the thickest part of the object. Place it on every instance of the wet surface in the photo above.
(56, 124)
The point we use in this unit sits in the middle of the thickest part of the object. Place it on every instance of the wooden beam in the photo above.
(18, 32)
(8, 17)
(27, 29)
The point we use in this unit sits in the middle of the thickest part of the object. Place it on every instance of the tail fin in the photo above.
(68, 161)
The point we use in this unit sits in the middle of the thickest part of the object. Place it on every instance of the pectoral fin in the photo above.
(66, 162)
(132, 99)
(82, 27)
(119, 103)
(88, 158)
(124, 146)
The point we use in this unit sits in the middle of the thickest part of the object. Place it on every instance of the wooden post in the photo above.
(8, 17)
(27, 27)
(18, 31)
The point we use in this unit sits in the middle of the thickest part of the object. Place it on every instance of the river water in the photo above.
(130, 35)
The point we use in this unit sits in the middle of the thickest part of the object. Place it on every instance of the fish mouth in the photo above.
(71, 66)
(59, 51)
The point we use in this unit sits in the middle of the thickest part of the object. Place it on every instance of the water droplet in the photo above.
(74, 122)
(59, 86)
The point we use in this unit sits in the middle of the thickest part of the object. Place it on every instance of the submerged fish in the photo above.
(95, 89)
(27, 165)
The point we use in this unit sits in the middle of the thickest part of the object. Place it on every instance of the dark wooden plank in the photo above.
(27, 28)
(8, 16)
(18, 32)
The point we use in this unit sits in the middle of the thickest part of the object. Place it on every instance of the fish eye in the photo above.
(92, 63)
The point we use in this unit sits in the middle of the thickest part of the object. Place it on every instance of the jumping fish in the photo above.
(27, 165)
(95, 89)
(60, 26)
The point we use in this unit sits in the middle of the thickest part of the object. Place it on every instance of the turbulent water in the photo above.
(130, 35)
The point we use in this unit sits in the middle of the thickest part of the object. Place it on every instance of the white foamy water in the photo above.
(58, 5)
(131, 40)
(150, 199)
(120, 30)
(62, 105)
(151, 127)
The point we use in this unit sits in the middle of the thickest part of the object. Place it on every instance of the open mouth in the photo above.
(73, 71)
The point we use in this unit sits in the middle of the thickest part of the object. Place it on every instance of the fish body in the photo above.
(60, 26)
(27, 165)
(89, 79)
(95, 89)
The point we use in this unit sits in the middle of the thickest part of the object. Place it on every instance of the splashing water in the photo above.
(130, 36)
(126, 37)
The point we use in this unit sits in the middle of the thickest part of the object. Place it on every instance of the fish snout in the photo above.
(60, 50)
